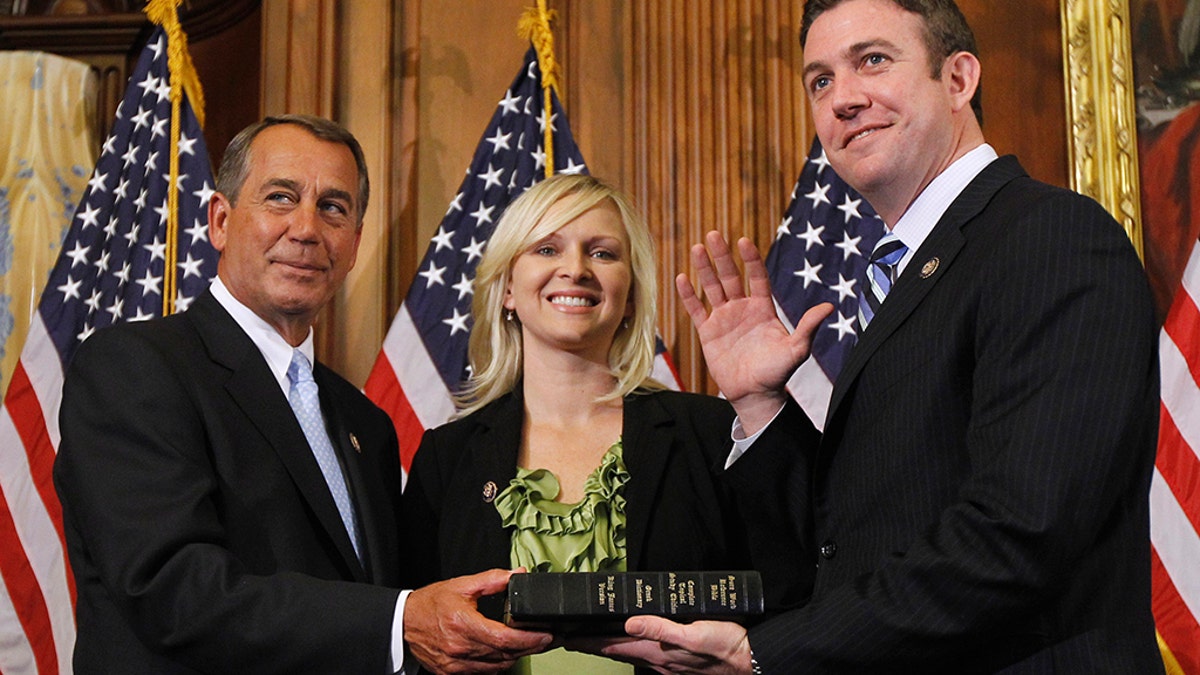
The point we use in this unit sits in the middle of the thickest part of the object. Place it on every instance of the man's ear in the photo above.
(218, 215)
(961, 74)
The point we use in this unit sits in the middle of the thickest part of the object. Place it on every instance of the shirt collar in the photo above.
(929, 206)
(276, 350)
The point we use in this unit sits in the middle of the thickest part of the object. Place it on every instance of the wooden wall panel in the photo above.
(692, 106)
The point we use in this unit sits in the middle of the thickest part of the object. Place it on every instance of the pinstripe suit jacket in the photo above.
(978, 500)
(201, 532)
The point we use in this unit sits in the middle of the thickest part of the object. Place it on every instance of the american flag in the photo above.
(424, 356)
(820, 255)
(1174, 497)
(111, 269)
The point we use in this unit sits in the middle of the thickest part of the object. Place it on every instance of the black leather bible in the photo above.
(598, 603)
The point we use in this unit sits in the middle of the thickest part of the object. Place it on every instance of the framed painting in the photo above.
(1132, 72)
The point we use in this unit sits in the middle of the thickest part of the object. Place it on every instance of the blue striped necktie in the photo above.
(882, 270)
(305, 402)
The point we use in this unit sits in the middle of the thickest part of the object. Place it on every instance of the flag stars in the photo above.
(844, 287)
(811, 236)
(148, 84)
(784, 229)
(455, 204)
(457, 322)
(844, 325)
(849, 245)
(483, 214)
(152, 162)
(101, 263)
(198, 231)
(149, 284)
(160, 127)
(191, 266)
(491, 177)
(204, 194)
(500, 141)
(132, 235)
(90, 217)
(539, 158)
(79, 254)
(97, 182)
(157, 249)
(433, 275)
(572, 168)
(122, 188)
(444, 239)
(130, 156)
(850, 208)
(85, 333)
(464, 287)
(116, 309)
(110, 144)
(70, 289)
(142, 315)
(93, 302)
(510, 103)
(542, 121)
(163, 91)
(810, 273)
(821, 161)
(475, 250)
(141, 119)
(819, 194)
(187, 146)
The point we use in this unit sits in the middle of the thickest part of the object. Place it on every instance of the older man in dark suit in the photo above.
(977, 501)
(230, 506)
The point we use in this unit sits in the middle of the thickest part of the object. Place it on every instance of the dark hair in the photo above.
(946, 33)
(236, 164)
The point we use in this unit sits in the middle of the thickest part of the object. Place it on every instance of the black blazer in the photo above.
(202, 535)
(680, 515)
(978, 501)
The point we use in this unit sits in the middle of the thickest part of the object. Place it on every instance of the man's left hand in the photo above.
(704, 647)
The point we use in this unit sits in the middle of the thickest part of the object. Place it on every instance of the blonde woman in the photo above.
(566, 456)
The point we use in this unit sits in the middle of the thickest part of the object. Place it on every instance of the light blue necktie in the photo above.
(302, 395)
(882, 270)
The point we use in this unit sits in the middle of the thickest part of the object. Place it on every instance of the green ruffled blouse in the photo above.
(549, 536)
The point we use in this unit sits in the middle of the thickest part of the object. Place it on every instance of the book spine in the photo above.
(551, 598)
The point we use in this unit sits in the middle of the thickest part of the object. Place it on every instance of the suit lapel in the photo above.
(494, 450)
(256, 392)
(646, 442)
(926, 268)
(337, 421)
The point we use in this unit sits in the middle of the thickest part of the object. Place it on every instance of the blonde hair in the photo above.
(495, 349)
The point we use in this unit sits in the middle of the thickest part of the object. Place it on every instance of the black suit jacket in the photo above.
(978, 500)
(201, 532)
(680, 515)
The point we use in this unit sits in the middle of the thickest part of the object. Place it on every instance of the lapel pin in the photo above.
(354, 442)
(489, 492)
(929, 267)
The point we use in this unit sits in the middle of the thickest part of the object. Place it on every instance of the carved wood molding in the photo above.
(1102, 138)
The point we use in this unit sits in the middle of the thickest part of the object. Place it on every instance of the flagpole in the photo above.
(534, 26)
(183, 76)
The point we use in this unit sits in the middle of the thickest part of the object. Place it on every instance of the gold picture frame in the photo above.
(1101, 120)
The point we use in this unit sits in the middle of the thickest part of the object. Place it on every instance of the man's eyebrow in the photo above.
(285, 183)
(336, 193)
(855, 50)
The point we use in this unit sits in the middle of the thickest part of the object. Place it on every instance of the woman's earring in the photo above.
(508, 315)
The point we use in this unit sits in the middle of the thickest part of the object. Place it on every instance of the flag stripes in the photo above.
(1175, 488)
